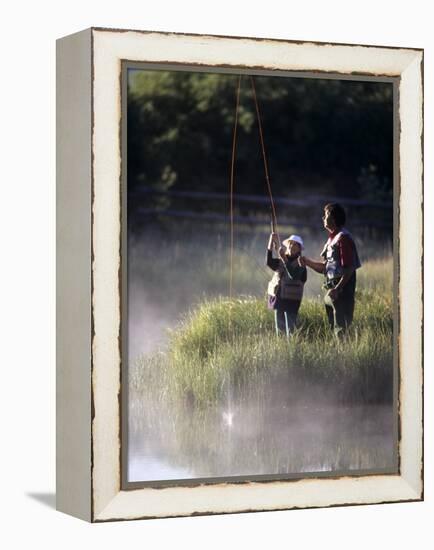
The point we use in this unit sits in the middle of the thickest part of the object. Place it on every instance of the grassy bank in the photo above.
(231, 343)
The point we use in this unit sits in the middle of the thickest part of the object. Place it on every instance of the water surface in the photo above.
(268, 437)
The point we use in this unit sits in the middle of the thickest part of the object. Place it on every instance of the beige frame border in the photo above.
(108, 49)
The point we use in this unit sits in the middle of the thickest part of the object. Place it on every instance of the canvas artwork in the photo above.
(239, 274)
(259, 275)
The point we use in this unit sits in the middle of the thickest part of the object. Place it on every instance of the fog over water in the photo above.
(270, 437)
(147, 323)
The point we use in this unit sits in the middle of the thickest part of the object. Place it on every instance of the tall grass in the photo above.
(232, 342)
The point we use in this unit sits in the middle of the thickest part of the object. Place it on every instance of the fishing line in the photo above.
(267, 176)
(264, 158)
(231, 186)
(231, 192)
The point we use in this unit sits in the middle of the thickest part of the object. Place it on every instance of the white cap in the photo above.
(295, 238)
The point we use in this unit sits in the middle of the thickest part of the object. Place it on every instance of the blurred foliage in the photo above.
(322, 136)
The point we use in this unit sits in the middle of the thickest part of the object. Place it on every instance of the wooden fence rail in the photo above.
(308, 201)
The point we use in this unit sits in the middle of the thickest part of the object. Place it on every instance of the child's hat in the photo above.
(295, 238)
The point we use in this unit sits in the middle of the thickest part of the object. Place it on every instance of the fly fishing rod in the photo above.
(274, 232)
(267, 179)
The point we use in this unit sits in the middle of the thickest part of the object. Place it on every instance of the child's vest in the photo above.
(332, 256)
(287, 288)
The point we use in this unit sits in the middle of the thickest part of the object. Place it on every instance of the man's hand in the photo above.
(333, 294)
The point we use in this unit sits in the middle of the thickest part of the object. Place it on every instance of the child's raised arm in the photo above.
(273, 241)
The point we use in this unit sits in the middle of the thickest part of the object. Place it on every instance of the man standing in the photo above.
(339, 263)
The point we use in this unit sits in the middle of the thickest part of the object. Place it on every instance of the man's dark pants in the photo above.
(340, 311)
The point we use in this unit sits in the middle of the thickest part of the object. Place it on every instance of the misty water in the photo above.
(259, 439)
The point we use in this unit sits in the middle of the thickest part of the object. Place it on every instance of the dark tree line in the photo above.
(322, 136)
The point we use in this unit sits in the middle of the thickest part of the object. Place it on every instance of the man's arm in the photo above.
(319, 267)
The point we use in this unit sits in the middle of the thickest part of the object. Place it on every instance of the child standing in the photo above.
(285, 290)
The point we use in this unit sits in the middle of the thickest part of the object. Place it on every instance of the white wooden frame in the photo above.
(88, 267)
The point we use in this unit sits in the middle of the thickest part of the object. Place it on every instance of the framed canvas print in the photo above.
(239, 274)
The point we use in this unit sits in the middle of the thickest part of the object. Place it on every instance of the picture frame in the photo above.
(90, 214)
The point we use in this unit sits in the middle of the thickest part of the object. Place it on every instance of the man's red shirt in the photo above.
(346, 249)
